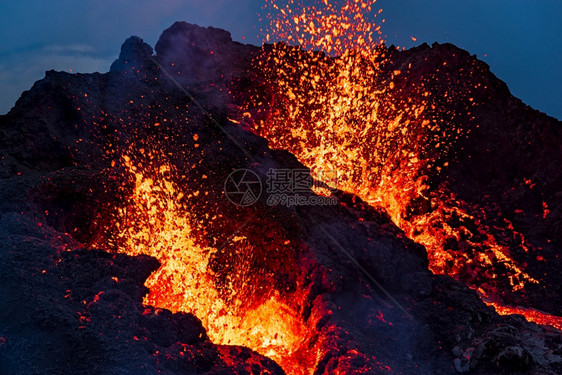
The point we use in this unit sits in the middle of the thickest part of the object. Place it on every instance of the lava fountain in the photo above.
(156, 221)
(329, 103)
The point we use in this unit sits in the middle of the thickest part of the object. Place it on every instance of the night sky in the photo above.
(520, 39)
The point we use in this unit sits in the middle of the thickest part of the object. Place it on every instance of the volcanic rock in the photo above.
(134, 53)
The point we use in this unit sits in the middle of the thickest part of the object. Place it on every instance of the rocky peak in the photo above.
(201, 55)
(183, 36)
(134, 53)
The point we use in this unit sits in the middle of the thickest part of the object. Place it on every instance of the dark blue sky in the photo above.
(520, 39)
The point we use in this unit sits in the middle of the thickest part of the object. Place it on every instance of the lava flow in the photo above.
(332, 107)
(157, 222)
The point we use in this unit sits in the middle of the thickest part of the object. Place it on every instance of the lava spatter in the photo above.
(339, 102)
(157, 221)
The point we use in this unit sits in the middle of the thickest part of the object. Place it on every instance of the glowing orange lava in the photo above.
(530, 315)
(334, 111)
(157, 222)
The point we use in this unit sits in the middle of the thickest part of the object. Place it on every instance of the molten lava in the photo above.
(157, 222)
(334, 110)
(531, 315)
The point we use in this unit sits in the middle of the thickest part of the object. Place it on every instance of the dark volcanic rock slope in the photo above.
(505, 166)
(68, 309)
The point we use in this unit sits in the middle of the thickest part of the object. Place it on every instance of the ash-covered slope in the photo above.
(66, 308)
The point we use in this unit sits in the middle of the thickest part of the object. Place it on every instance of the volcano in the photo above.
(219, 208)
